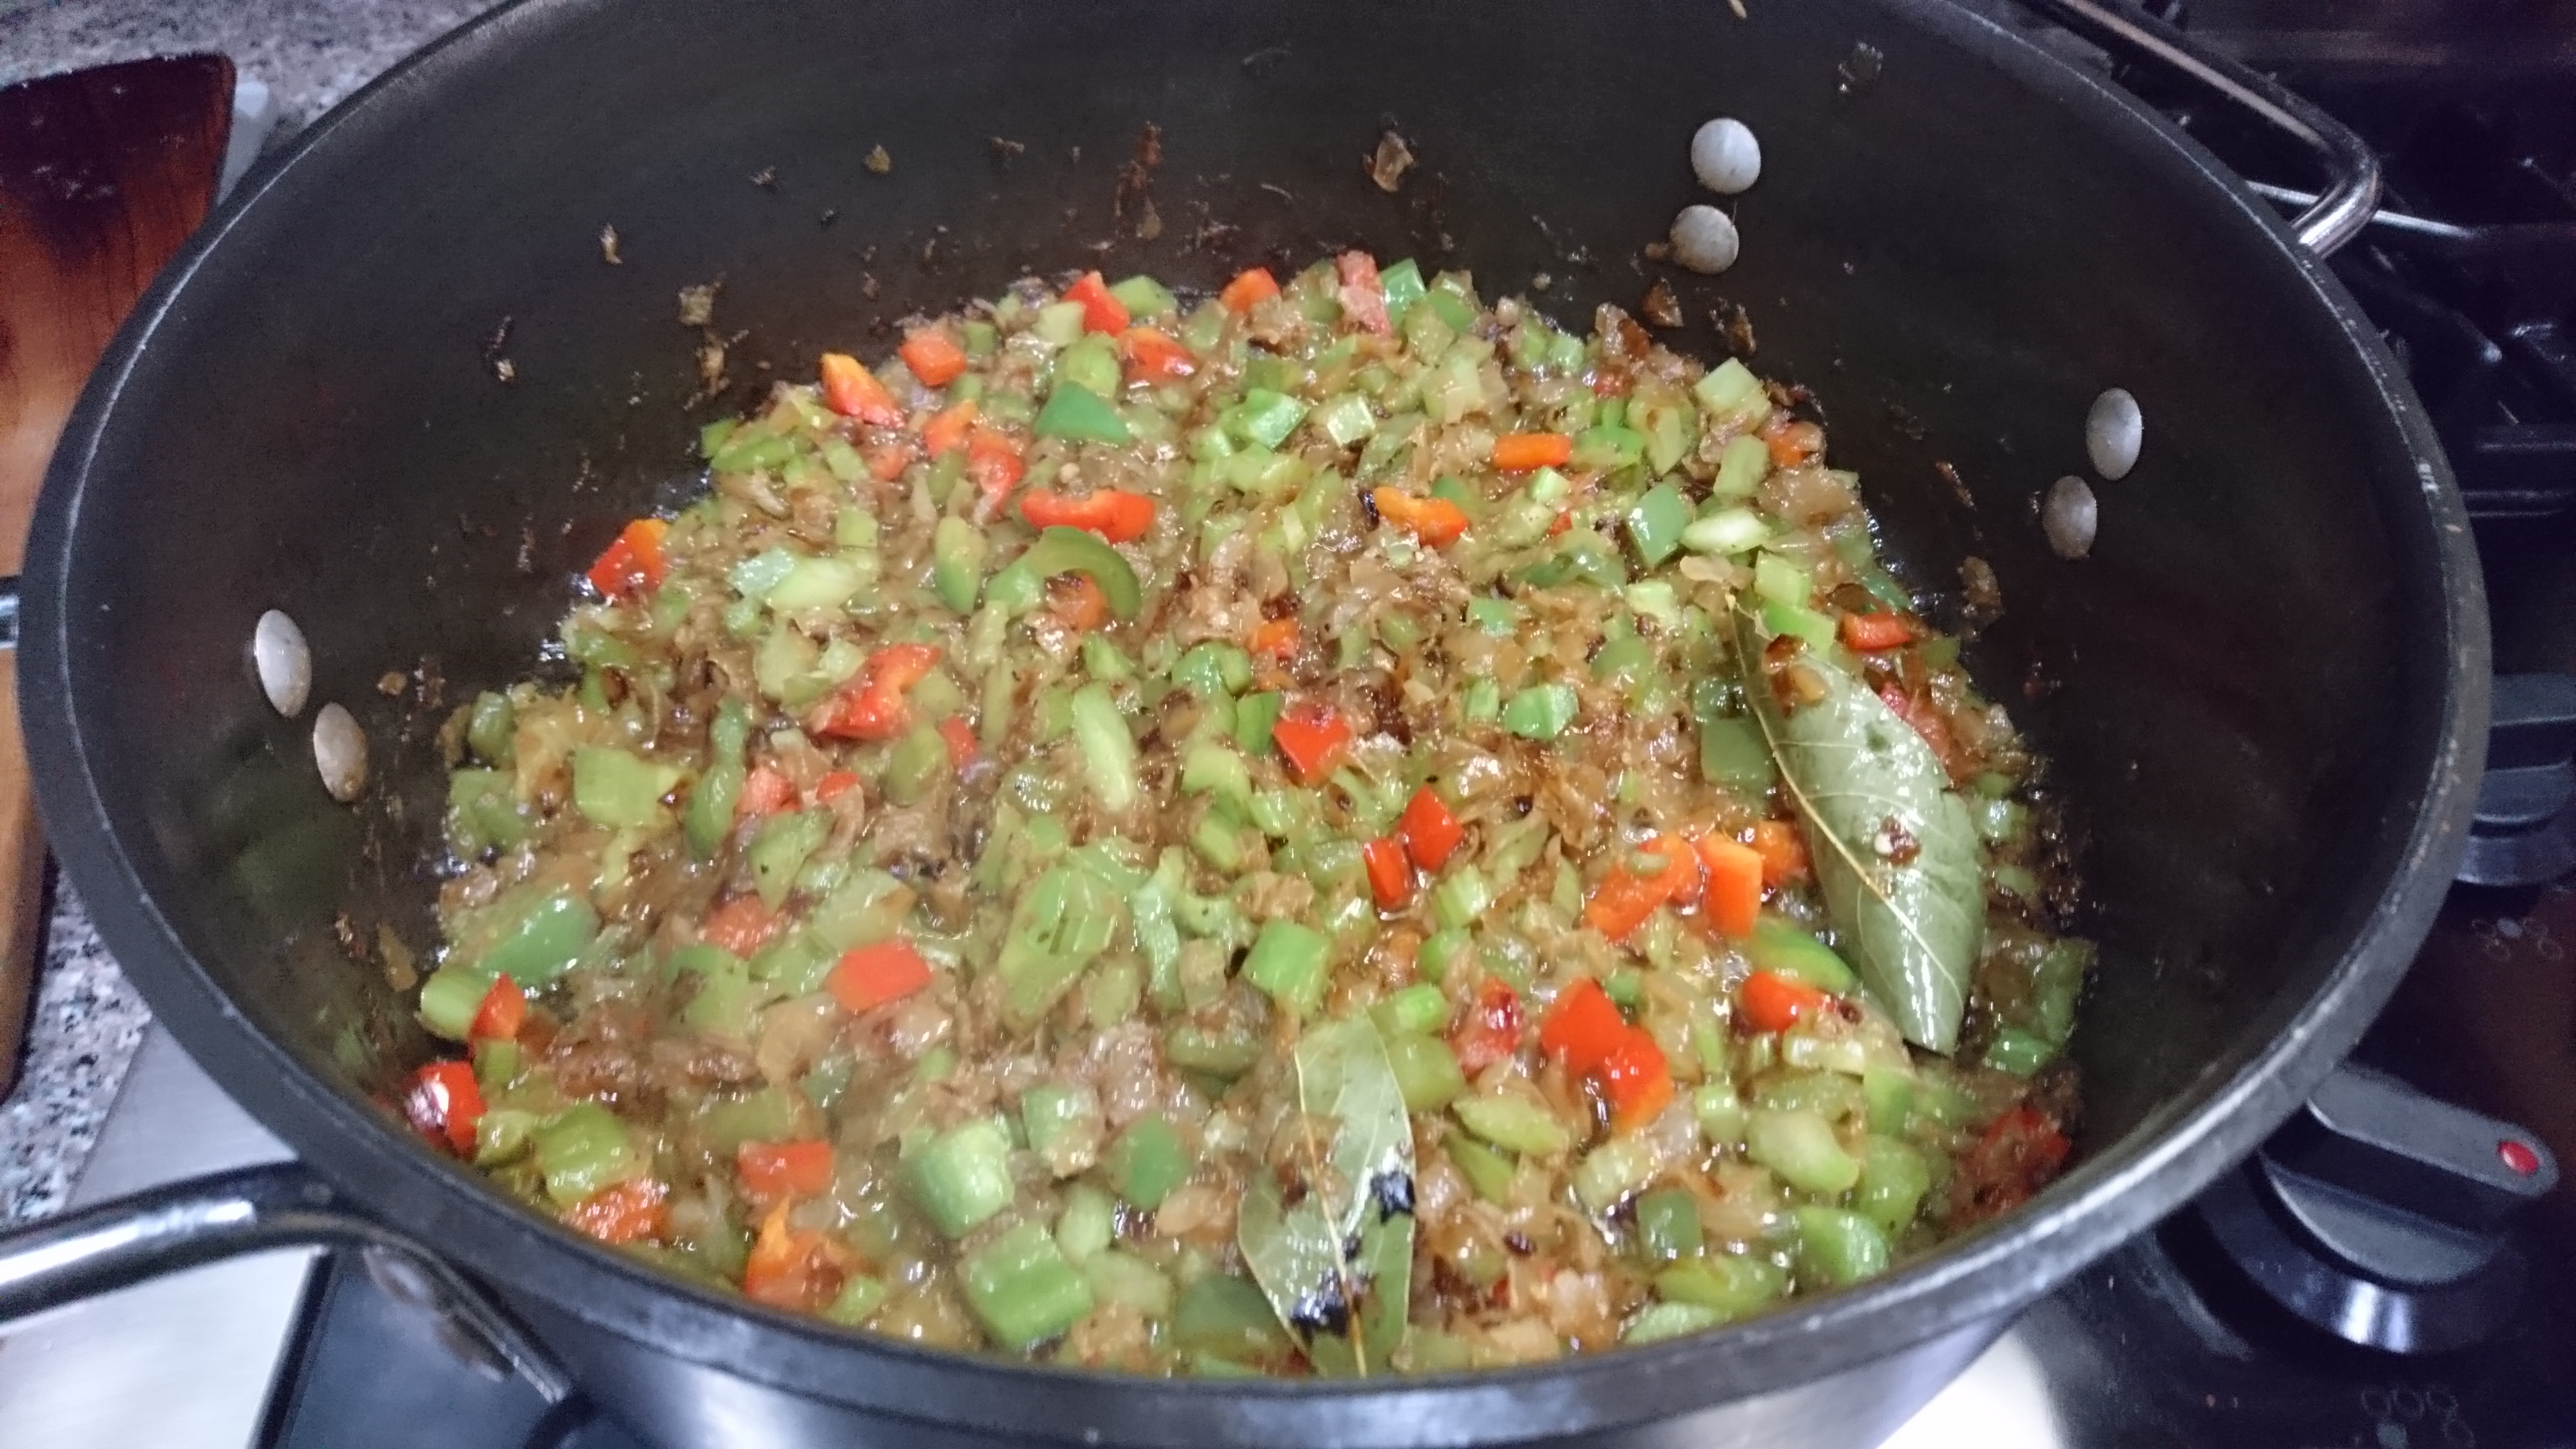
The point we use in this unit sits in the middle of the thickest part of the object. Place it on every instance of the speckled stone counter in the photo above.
(87, 1020)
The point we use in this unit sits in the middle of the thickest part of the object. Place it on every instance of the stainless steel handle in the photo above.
(2343, 208)
(207, 1219)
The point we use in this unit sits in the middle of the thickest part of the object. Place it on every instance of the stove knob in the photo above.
(2525, 830)
(2378, 1214)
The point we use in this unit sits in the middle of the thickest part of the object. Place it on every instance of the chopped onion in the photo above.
(284, 662)
(1725, 156)
(340, 753)
(2113, 431)
(1704, 239)
(2069, 517)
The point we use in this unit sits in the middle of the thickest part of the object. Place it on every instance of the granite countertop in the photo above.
(87, 1021)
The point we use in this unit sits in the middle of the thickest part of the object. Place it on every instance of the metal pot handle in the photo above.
(2342, 208)
(206, 1219)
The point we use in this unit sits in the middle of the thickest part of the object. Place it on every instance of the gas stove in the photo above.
(2391, 1272)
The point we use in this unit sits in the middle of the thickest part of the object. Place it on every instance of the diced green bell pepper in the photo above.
(1838, 1247)
(620, 790)
(1077, 413)
(1668, 1224)
(962, 1176)
(1147, 1162)
(1287, 962)
(1023, 1290)
(1797, 1144)
(1541, 711)
(583, 1149)
(1784, 950)
(778, 852)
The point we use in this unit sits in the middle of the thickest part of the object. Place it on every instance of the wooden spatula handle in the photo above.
(103, 173)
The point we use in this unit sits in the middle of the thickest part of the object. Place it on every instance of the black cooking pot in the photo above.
(398, 389)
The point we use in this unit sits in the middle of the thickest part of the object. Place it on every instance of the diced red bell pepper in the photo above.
(770, 1171)
(1390, 873)
(2012, 1159)
(1636, 1079)
(1872, 632)
(1101, 312)
(797, 1269)
(1784, 855)
(933, 356)
(994, 463)
(1436, 521)
(1773, 1002)
(1248, 289)
(959, 736)
(634, 1211)
(1274, 638)
(1079, 601)
(764, 792)
(1362, 295)
(632, 563)
(1521, 452)
(886, 461)
(1154, 356)
(948, 428)
(834, 785)
(1491, 1031)
(1430, 830)
(1583, 1027)
(444, 1103)
(741, 925)
(1624, 899)
(871, 976)
(854, 392)
(1791, 440)
(872, 707)
(503, 1012)
(1114, 514)
(1313, 737)
(1732, 895)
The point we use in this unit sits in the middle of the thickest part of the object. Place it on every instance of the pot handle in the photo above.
(2342, 208)
(206, 1219)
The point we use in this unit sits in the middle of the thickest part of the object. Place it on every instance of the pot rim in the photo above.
(2105, 1200)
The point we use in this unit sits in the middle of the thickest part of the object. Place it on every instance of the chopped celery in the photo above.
(1489, 1172)
(1730, 1284)
(1608, 447)
(2019, 1052)
(1064, 920)
(1661, 1321)
(1196, 1048)
(1785, 950)
(1720, 1113)
(583, 1149)
(1126, 1278)
(450, 998)
(755, 576)
(1838, 1247)
(1609, 1173)
(1889, 1094)
(1147, 1162)
(859, 1299)
(1402, 284)
(1461, 899)
(1264, 418)
(1442, 952)
(1210, 668)
(1088, 1224)
(1484, 702)
(778, 852)
(962, 1176)
(1108, 750)
(1513, 1122)
(484, 813)
(1022, 1289)
(1668, 1224)
(1090, 364)
(914, 764)
(1426, 1071)
(620, 790)
(1075, 412)
(1541, 711)
(817, 583)
(1058, 324)
(1142, 296)
(1346, 419)
(1782, 582)
(957, 552)
(1732, 394)
(492, 728)
(1893, 1179)
(1798, 620)
(1732, 754)
(1726, 531)
(1498, 617)
(1420, 1008)
(868, 906)
(1287, 962)
(1797, 1144)
(1255, 715)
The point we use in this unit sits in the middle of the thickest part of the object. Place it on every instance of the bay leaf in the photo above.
(1894, 848)
(1332, 1247)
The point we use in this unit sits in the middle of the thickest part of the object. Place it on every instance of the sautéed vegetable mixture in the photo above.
(1337, 829)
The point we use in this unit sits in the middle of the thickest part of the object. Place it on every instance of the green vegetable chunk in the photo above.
(1147, 1162)
(1076, 412)
(1023, 1290)
(962, 1176)
(1287, 963)
(619, 790)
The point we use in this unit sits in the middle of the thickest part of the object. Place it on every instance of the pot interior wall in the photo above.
(2239, 688)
